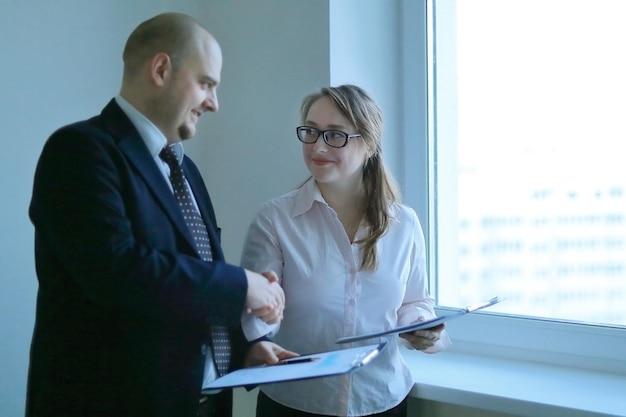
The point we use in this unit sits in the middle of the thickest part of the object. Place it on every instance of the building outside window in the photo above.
(527, 116)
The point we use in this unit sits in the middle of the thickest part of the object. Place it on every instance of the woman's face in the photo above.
(329, 165)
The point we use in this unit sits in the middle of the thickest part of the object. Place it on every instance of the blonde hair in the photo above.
(381, 188)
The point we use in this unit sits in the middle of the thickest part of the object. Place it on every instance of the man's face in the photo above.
(191, 91)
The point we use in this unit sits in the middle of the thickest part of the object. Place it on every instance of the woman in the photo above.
(351, 260)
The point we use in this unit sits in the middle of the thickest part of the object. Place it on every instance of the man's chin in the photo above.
(186, 132)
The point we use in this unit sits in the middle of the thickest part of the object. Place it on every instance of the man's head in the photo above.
(172, 68)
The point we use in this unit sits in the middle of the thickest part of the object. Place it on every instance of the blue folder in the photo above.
(422, 325)
(315, 365)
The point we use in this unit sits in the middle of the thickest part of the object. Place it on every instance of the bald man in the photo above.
(127, 293)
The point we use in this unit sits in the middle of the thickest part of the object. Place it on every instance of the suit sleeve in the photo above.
(99, 229)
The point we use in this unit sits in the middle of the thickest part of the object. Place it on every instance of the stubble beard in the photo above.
(184, 132)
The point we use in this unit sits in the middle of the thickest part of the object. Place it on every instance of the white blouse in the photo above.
(327, 297)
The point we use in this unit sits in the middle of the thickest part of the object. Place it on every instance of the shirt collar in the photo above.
(307, 195)
(153, 138)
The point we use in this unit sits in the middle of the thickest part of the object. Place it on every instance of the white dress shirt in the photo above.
(327, 296)
(155, 142)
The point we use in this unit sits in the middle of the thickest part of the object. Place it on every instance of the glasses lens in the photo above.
(335, 138)
(308, 134)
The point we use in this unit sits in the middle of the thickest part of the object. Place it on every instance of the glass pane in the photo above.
(529, 129)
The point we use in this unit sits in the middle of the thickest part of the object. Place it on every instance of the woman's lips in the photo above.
(322, 161)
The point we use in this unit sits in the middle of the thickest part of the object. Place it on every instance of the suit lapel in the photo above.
(132, 146)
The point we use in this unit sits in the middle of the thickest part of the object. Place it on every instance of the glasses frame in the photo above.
(322, 133)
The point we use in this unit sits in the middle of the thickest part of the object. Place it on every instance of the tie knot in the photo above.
(169, 156)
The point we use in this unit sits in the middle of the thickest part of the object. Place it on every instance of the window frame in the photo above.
(573, 344)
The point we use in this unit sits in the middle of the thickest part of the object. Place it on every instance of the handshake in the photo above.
(265, 298)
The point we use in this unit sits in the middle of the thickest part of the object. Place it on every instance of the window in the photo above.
(529, 128)
(527, 190)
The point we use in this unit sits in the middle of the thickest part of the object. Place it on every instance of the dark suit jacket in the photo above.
(124, 299)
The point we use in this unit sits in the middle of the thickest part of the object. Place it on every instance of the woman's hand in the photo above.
(424, 339)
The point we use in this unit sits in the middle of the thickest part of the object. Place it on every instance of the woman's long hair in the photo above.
(381, 188)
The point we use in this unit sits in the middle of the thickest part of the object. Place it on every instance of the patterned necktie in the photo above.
(220, 338)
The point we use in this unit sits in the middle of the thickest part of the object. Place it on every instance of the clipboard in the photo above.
(315, 365)
(422, 325)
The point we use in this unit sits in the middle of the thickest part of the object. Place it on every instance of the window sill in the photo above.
(522, 388)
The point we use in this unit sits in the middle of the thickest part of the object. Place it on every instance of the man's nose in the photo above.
(210, 102)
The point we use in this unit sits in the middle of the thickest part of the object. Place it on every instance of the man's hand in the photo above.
(424, 339)
(265, 298)
(266, 353)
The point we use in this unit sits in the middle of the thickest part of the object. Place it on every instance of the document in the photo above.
(315, 365)
(422, 325)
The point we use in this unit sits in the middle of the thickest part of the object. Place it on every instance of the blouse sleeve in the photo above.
(417, 300)
(261, 252)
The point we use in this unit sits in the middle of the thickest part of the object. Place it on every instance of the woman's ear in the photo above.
(371, 153)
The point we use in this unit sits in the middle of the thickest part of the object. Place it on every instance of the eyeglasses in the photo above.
(334, 138)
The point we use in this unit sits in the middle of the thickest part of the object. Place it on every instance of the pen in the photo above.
(297, 360)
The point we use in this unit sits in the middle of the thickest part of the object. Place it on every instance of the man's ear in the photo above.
(160, 69)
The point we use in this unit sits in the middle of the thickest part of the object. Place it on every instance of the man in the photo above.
(126, 297)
